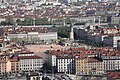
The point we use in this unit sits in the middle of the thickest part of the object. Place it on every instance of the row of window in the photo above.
(37, 68)
(30, 65)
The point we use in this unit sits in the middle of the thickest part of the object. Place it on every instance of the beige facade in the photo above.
(94, 66)
(8, 66)
(89, 66)
(80, 65)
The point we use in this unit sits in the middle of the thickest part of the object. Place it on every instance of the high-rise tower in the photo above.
(71, 32)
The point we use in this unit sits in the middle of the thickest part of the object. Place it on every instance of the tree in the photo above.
(19, 22)
(10, 21)
(28, 21)
(42, 21)
(63, 32)
(3, 23)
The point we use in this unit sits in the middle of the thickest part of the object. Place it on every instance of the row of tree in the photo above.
(26, 21)
(36, 21)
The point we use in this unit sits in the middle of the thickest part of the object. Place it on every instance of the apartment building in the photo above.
(111, 62)
(94, 66)
(12, 65)
(15, 59)
(3, 66)
(66, 64)
(51, 59)
(88, 65)
(80, 65)
(8, 65)
(30, 63)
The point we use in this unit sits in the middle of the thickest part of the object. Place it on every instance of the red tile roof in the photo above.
(30, 57)
(114, 75)
(91, 60)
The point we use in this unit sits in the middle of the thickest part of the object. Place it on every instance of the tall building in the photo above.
(94, 66)
(89, 65)
(80, 65)
(66, 64)
(71, 33)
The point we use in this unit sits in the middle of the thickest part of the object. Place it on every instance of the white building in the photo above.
(71, 33)
(111, 62)
(30, 63)
(35, 35)
(66, 64)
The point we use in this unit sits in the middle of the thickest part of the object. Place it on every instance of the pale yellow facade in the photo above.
(80, 66)
(84, 66)
(8, 66)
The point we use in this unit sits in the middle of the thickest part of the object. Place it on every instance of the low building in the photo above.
(32, 36)
(31, 33)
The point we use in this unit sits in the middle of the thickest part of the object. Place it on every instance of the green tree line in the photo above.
(26, 22)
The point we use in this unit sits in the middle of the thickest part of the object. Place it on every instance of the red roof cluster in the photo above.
(83, 53)
(114, 75)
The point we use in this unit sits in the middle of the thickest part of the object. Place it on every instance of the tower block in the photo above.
(71, 32)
